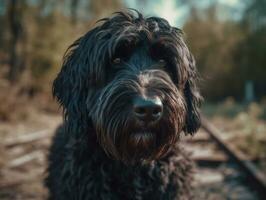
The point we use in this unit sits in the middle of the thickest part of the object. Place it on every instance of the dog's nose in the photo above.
(148, 109)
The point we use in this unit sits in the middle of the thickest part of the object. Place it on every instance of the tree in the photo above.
(251, 51)
(213, 43)
(15, 17)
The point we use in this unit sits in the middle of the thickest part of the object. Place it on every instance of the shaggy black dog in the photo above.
(128, 89)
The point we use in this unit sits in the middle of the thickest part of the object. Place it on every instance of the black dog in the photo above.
(128, 89)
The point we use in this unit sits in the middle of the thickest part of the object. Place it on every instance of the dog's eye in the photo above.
(162, 62)
(116, 61)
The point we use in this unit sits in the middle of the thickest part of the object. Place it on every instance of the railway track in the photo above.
(222, 171)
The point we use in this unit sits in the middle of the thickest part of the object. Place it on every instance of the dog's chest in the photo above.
(110, 179)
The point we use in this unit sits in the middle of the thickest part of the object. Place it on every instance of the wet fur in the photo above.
(97, 153)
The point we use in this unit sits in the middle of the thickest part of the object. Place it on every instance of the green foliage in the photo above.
(48, 29)
(213, 43)
(229, 53)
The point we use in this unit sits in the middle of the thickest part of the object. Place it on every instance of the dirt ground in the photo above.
(24, 146)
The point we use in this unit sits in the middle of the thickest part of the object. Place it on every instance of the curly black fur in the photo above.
(101, 151)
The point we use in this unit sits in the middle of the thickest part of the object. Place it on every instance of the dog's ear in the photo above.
(192, 95)
(81, 67)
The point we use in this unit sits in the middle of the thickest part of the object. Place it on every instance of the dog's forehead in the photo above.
(141, 56)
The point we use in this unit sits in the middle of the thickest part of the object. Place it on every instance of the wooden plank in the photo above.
(25, 159)
(27, 138)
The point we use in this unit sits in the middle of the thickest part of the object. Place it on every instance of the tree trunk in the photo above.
(16, 32)
(73, 9)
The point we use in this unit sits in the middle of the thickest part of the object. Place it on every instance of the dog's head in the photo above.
(135, 80)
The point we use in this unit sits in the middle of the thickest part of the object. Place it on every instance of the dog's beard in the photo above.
(146, 145)
(124, 138)
(131, 146)
(140, 145)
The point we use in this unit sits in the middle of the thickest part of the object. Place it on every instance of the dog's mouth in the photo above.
(142, 139)
(140, 144)
(143, 135)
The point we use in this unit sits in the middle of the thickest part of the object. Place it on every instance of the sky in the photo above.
(176, 14)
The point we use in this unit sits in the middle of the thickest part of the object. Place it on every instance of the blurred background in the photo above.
(227, 38)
